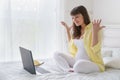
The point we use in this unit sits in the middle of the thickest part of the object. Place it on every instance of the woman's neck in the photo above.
(83, 26)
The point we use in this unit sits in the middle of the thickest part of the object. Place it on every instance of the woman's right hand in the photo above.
(65, 25)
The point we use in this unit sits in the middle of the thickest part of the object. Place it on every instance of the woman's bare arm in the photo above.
(67, 29)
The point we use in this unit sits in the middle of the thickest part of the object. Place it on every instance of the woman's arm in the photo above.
(96, 28)
(67, 29)
(94, 38)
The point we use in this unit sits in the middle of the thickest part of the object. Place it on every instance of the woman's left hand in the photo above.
(96, 25)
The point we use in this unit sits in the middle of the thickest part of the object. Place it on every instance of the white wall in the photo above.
(107, 10)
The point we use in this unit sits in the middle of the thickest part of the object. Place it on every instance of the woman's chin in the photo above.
(77, 25)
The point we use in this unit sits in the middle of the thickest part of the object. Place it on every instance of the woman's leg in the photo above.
(85, 66)
(64, 61)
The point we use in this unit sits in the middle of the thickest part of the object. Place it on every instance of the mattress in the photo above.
(15, 71)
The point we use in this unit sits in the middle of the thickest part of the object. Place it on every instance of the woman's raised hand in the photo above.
(96, 25)
(65, 25)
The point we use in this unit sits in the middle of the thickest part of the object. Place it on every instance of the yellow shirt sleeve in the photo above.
(96, 48)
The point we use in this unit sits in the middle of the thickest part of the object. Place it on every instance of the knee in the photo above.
(85, 66)
(80, 65)
(56, 55)
(77, 66)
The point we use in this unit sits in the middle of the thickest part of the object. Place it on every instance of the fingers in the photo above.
(102, 27)
(98, 21)
(94, 21)
(63, 23)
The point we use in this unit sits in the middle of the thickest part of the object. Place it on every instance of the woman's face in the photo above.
(78, 19)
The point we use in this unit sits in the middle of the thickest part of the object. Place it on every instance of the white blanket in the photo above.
(15, 71)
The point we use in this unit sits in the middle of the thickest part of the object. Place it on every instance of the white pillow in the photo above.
(116, 53)
(106, 53)
(113, 62)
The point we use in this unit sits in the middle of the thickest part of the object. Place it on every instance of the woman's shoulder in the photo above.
(89, 26)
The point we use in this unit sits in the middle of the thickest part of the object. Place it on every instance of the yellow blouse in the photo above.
(94, 53)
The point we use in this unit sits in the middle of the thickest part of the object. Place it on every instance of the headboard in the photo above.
(111, 36)
(111, 41)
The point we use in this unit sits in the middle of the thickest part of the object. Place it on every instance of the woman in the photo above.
(84, 44)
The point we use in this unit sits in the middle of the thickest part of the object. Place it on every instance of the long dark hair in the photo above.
(77, 29)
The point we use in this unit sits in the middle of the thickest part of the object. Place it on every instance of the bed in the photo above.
(15, 71)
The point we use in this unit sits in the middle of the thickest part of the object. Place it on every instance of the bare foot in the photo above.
(71, 71)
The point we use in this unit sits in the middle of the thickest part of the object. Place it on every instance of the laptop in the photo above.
(28, 64)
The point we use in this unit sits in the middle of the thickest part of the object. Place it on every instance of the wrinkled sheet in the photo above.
(15, 71)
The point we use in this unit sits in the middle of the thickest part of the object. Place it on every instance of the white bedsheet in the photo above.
(15, 71)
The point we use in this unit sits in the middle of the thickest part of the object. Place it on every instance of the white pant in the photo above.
(67, 62)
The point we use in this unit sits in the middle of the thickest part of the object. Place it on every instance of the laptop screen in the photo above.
(27, 60)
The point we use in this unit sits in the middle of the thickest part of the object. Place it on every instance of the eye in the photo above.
(77, 17)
